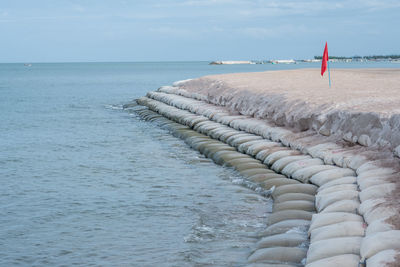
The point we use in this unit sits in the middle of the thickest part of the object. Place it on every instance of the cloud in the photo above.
(373, 5)
(273, 32)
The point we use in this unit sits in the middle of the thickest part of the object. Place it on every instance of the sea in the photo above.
(85, 182)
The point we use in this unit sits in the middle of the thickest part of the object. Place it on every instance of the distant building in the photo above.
(231, 62)
(283, 61)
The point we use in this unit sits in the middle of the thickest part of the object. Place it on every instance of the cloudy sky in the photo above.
(164, 30)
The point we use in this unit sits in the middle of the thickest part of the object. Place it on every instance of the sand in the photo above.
(361, 102)
(363, 90)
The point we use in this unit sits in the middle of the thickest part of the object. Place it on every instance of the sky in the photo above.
(186, 30)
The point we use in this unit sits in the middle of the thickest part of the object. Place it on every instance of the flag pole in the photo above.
(329, 74)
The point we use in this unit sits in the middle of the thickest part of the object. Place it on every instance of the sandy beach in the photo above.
(357, 90)
(361, 102)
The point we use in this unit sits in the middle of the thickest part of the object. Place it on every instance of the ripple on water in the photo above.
(88, 185)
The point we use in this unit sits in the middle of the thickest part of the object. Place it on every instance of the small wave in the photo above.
(200, 232)
(298, 230)
(76, 106)
(114, 107)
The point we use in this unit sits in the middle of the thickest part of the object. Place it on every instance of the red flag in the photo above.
(325, 59)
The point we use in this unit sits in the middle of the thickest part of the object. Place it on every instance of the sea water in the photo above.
(84, 182)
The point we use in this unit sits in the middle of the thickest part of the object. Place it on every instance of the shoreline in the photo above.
(356, 180)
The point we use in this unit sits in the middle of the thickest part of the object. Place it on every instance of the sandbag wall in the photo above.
(276, 247)
(337, 231)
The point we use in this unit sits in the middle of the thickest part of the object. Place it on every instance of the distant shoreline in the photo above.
(392, 59)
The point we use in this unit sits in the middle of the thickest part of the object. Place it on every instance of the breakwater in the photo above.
(334, 203)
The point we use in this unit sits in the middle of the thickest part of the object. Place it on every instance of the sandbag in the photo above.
(192, 123)
(257, 171)
(203, 123)
(218, 133)
(294, 205)
(345, 205)
(333, 247)
(371, 181)
(275, 156)
(379, 212)
(277, 182)
(298, 188)
(231, 139)
(320, 150)
(215, 133)
(227, 156)
(247, 166)
(304, 174)
(294, 196)
(370, 204)
(202, 144)
(242, 140)
(282, 240)
(258, 178)
(377, 173)
(342, 229)
(289, 215)
(224, 137)
(224, 156)
(237, 161)
(372, 165)
(300, 165)
(337, 188)
(328, 218)
(323, 200)
(373, 244)
(377, 191)
(344, 180)
(245, 146)
(389, 258)
(356, 161)
(204, 129)
(257, 147)
(280, 164)
(196, 138)
(377, 226)
(196, 141)
(228, 119)
(279, 254)
(329, 175)
(344, 260)
(263, 154)
(209, 151)
(284, 226)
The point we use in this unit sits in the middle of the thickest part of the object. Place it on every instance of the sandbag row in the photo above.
(284, 242)
(381, 245)
(304, 168)
(285, 239)
(374, 182)
(306, 142)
